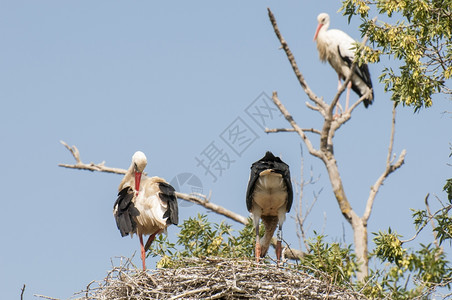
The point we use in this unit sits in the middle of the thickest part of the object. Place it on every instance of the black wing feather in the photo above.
(254, 175)
(362, 72)
(288, 182)
(347, 59)
(125, 211)
(168, 194)
(269, 161)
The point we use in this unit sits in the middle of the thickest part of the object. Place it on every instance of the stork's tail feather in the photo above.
(369, 100)
(124, 211)
(168, 194)
(270, 224)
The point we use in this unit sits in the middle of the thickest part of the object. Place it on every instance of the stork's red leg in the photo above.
(143, 253)
(278, 251)
(257, 250)
(278, 245)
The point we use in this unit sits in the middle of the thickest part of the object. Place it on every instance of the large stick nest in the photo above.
(214, 278)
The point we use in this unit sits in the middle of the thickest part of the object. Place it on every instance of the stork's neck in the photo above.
(128, 179)
(322, 42)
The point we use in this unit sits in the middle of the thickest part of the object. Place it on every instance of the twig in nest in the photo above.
(215, 278)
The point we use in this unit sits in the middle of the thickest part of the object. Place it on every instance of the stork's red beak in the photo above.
(137, 182)
(317, 31)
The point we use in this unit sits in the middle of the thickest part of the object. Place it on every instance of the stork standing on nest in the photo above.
(269, 197)
(145, 206)
(337, 47)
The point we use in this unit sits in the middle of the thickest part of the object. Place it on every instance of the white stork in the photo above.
(145, 206)
(336, 47)
(269, 197)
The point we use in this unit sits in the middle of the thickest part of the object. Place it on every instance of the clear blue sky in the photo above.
(170, 78)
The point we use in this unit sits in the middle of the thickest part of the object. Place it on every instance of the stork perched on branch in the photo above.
(337, 47)
(269, 197)
(145, 206)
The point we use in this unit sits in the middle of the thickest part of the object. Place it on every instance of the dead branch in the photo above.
(300, 217)
(391, 141)
(45, 297)
(388, 170)
(295, 126)
(204, 201)
(345, 116)
(89, 167)
(431, 221)
(318, 101)
(22, 292)
(275, 130)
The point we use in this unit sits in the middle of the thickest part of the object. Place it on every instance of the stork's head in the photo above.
(324, 21)
(139, 162)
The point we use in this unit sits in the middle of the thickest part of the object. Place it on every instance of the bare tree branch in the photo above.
(275, 130)
(22, 292)
(45, 297)
(388, 170)
(320, 103)
(391, 140)
(213, 207)
(299, 219)
(89, 167)
(431, 221)
(300, 216)
(295, 126)
(345, 116)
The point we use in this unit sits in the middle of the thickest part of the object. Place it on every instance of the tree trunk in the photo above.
(358, 226)
(360, 239)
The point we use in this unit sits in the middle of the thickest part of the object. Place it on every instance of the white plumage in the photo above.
(145, 206)
(270, 196)
(337, 47)
(151, 207)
